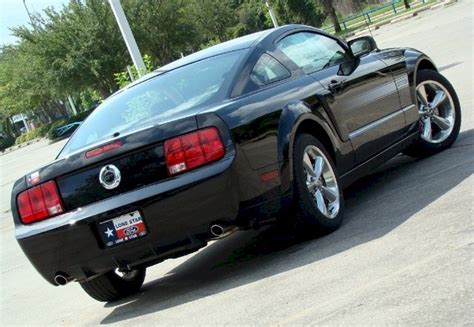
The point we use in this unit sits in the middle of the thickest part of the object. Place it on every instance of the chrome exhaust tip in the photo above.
(217, 230)
(222, 230)
(61, 280)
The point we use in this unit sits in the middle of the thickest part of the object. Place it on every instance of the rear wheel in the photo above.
(114, 285)
(318, 194)
(440, 114)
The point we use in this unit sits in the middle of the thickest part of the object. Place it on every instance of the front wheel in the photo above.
(318, 195)
(440, 114)
(114, 285)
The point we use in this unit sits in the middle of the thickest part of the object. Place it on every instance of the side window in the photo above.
(268, 70)
(312, 52)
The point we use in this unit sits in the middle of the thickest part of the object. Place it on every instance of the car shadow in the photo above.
(375, 206)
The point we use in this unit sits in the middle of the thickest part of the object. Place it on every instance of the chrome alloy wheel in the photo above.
(321, 181)
(436, 109)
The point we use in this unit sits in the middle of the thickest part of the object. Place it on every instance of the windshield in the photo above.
(158, 99)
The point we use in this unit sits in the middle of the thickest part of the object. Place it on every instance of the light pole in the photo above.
(128, 36)
(272, 15)
(28, 12)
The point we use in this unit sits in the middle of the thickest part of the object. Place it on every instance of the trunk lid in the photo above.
(140, 159)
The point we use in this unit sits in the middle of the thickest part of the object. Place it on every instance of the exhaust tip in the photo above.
(217, 230)
(61, 280)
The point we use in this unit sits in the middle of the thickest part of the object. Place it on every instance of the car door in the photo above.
(360, 93)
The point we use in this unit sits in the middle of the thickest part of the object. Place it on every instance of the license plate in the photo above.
(122, 229)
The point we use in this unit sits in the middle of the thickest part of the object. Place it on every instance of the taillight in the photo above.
(193, 150)
(39, 202)
(103, 149)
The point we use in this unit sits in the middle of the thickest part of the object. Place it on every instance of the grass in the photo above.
(380, 16)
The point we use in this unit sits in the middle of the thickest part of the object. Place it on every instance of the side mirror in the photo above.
(362, 45)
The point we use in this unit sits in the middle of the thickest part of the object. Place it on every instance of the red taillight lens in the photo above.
(40, 202)
(193, 150)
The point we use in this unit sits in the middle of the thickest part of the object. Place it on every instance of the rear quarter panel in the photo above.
(263, 125)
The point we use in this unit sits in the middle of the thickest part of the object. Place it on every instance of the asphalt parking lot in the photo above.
(404, 254)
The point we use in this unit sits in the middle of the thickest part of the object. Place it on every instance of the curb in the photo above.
(443, 4)
(19, 146)
(402, 18)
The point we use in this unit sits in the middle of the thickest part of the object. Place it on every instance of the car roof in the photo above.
(239, 43)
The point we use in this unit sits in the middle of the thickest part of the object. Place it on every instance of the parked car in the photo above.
(65, 131)
(265, 128)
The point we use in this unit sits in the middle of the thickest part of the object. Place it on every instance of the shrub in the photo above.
(79, 117)
(47, 130)
(28, 136)
(6, 142)
(50, 134)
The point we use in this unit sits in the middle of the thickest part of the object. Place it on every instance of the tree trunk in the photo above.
(104, 89)
(407, 5)
(60, 108)
(47, 112)
(329, 8)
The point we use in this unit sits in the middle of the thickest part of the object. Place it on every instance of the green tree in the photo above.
(252, 17)
(331, 11)
(298, 12)
(81, 43)
(163, 28)
(214, 19)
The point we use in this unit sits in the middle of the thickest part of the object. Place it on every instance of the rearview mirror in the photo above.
(362, 45)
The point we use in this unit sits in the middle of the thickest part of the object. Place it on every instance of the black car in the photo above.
(270, 127)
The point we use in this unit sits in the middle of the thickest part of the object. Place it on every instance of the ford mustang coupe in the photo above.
(265, 128)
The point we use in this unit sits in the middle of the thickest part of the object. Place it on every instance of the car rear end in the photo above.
(142, 179)
(69, 224)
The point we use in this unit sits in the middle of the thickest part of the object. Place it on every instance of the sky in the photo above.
(13, 13)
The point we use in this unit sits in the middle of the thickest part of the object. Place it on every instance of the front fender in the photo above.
(416, 60)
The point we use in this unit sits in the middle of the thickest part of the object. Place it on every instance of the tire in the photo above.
(310, 219)
(440, 137)
(112, 287)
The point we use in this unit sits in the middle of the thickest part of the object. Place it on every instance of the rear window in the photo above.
(158, 99)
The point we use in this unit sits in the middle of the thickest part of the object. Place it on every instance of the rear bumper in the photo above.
(177, 213)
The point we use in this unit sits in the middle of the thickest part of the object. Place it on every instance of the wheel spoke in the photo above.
(318, 166)
(443, 123)
(421, 95)
(426, 128)
(311, 186)
(439, 98)
(307, 165)
(328, 193)
(320, 203)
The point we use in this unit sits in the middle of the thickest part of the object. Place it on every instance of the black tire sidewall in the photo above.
(127, 287)
(308, 218)
(110, 287)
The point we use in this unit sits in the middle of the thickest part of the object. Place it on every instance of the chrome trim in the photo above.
(110, 177)
(409, 107)
(375, 124)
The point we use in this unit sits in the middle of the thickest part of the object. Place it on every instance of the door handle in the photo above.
(336, 86)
